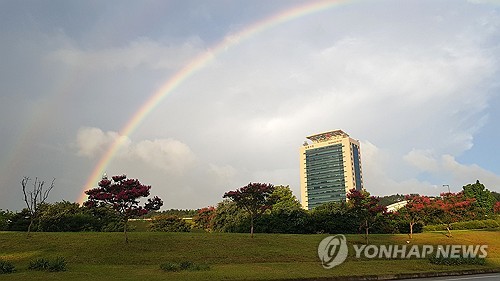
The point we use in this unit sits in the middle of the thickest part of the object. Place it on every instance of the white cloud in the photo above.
(422, 159)
(463, 174)
(223, 175)
(92, 142)
(142, 52)
(167, 155)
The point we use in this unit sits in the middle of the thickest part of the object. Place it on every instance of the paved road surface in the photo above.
(478, 277)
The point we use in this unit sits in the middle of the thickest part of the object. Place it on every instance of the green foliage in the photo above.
(183, 265)
(6, 267)
(39, 264)
(283, 199)
(334, 217)
(5, 219)
(457, 261)
(42, 264)
(65, 216)
(230, 218)
(484, 199)
(204, 218)
(284, 221)
(391, 199)
(254, 198)
(496, 195)
(170, 266)
(168, 223)
(183, 213)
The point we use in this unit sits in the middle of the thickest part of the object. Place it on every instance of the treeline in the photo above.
(361, 214)
(62, 217)
(282, 214)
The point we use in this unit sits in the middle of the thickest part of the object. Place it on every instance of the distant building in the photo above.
(396, 206)
(329, 167)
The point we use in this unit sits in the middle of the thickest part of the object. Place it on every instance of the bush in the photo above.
(6, 267)
(42, 264)
(170, 266)
(169, 223)
(184, 265)
(59, 264)
(39, 264)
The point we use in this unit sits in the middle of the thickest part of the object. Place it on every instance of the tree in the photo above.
(496, 209)
(65, 216)
(34, 198)
(169, 223)
(366, 208)
(483, 197)
(283, 199)
(204, 219)
(5, 219)
(334, 218)
(230, 218)
(415, 210)
(255, 198)
(122, 195)
(454, 207)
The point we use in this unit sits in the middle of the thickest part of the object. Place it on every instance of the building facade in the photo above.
(329, 167)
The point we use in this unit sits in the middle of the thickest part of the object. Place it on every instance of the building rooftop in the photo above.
(326, 136)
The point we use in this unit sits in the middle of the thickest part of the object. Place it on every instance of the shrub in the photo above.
(169, 223)
(6, 267)
(184, 265)
(59, 264)
(42, 264)
(39, 264)
(170, 266)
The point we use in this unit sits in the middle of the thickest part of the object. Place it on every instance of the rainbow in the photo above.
(196, 65)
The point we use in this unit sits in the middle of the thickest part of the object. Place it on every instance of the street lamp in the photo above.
(448, 187)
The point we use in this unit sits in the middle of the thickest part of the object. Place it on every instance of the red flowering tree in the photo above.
(415, 210)
(366, 208)
(204, 218)
(496, 208)
(454, 207)
(123, 196)
(255, 198)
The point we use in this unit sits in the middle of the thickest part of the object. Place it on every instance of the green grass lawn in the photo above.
(105, 256)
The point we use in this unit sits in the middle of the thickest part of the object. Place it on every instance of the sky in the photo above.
(196, 98)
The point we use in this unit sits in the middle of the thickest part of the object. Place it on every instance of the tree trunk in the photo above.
(448, 228)
(366, 232)
(411, 229)
(251, 227)
(30, 225)
(125, 230)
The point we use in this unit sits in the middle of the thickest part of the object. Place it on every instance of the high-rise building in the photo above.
(329, 167)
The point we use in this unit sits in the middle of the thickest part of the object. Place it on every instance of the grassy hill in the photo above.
(105, 256)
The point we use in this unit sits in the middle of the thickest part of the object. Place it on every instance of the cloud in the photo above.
(447, 167)
(223, 175)
(141, 52)
(422, 159)
(92, 142)
(168, 155)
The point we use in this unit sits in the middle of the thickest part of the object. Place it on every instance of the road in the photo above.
(476, 277)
